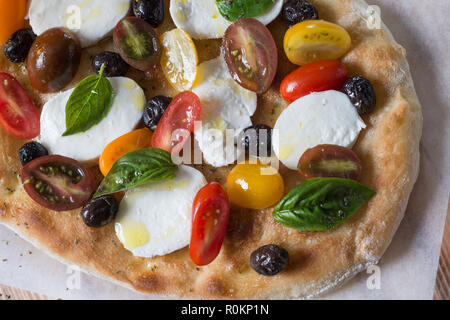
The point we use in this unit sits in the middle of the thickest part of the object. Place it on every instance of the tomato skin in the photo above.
(134, 140)
(12, 17)
(44, 179)
(314, 77)
(210, 215)
(177, 122)
(19, 116)
(329, 161)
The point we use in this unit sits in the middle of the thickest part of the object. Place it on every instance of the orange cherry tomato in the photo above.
(210, 214)
(134, 140)
(12, 17)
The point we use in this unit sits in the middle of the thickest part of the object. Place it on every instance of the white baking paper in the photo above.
(408, 269)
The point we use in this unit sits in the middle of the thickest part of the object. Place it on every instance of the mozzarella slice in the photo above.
(225, 105)
(202, 19)
(124, 115)
(319, 118)
(155, 219)
(90, 20)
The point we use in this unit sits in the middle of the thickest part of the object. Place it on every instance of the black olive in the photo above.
(269, 260)
(115, 66)
(256, 140)
(100, 211)
(151, 11)
(361, 94)
(18, 45)
(296, 11)
(155, 110)
(31, 151)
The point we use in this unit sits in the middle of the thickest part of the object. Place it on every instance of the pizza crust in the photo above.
(319, 261)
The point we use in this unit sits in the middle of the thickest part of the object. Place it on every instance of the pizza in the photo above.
(207, 149)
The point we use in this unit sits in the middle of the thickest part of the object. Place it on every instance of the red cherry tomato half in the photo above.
(330, 161)
(19, 116)
(210, 214)
(58, 183)
(177, 122)
(251, 54)
(314, 77)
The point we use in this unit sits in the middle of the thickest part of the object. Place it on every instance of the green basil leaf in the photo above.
(88, 104)
(321, 204)
(233, 10)
(137, 168)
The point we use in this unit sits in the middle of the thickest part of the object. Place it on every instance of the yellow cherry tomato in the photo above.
(12, 17)
(315, 40)
(134, 140)
(255, 186)
(179, 59)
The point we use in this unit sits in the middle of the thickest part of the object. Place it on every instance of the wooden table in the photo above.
(442, 287)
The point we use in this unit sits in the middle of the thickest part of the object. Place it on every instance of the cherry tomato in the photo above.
(177, 122)
(19, 116)
(134, 140)
(12, 17)
(314, 77)
(210, 213)
(255, 186)
(329, 161)
(315, 40)
(53, 60)
(58, 183)
(251, 54)
(137, 43)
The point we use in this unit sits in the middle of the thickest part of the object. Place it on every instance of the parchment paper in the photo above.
(408, 269)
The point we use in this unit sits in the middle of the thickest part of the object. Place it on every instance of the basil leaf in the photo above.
(88, 104)
(321, 204)
(233, 10)
(137, 168)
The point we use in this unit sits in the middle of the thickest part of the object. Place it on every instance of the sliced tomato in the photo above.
(177, 122)
(251, 54)
(19, 116)
(58, 183)
(210, 214)
(314, 77)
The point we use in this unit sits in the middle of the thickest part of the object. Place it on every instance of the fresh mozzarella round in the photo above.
(155, 219)
(225, 105)
(319, 118)
(124, 115)
(90, 20)
(202, 19)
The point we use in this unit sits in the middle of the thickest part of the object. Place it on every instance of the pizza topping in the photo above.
(154, 111)
(256, 140)
(19, 116)
(177, 122)
(53, 60)
(254, 186)
(179, 59)
(137, 168)
(18, 45)
(210, 213)
(238, 9)
(315, 40)
(295, 11)
(137, 43)
(361, 94)
(30, 151)
(251, 54)
(12, 17)
(321, 204)
(269, 260)
(113, 63)
(100, 211)
(330, 161)
(152, 11)
(314, 77)
(58, 183)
